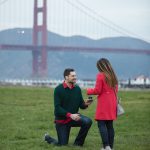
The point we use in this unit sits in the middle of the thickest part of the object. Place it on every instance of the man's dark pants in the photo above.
(63, 131)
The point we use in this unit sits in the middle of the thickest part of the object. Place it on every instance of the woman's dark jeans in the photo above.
(63, 131)
(107, 132)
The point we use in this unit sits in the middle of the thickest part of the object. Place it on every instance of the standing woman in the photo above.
(106, 109)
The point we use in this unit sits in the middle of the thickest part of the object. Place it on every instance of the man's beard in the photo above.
(72, 82)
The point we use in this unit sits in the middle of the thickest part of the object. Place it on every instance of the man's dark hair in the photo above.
(67, 71)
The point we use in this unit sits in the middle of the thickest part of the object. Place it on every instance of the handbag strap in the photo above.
(116, 95)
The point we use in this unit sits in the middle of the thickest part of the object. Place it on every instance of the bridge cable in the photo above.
(105, 21)
(3, 1)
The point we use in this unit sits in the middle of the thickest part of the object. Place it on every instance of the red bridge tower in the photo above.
(39, 63)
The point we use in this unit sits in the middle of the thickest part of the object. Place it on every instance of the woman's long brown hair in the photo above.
(104, 66)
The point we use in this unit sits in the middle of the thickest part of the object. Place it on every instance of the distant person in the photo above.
(67, 101)
(105, 87)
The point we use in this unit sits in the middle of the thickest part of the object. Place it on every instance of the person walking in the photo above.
(67, 101)
(106, 109)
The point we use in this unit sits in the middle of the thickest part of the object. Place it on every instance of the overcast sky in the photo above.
(84, 17)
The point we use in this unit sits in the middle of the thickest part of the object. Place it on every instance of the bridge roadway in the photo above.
(73, 49)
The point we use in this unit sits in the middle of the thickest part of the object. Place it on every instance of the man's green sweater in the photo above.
(67, 100)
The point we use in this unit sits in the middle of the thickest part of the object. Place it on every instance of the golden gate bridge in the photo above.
(40, 48)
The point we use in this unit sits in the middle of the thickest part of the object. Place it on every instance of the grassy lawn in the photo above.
(27, 113)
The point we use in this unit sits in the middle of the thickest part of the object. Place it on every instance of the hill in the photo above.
(18, 64)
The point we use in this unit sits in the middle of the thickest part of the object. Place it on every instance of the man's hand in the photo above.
(88, 102)
(75, 117)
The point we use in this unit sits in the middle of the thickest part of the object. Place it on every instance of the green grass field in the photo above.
(27, 113)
